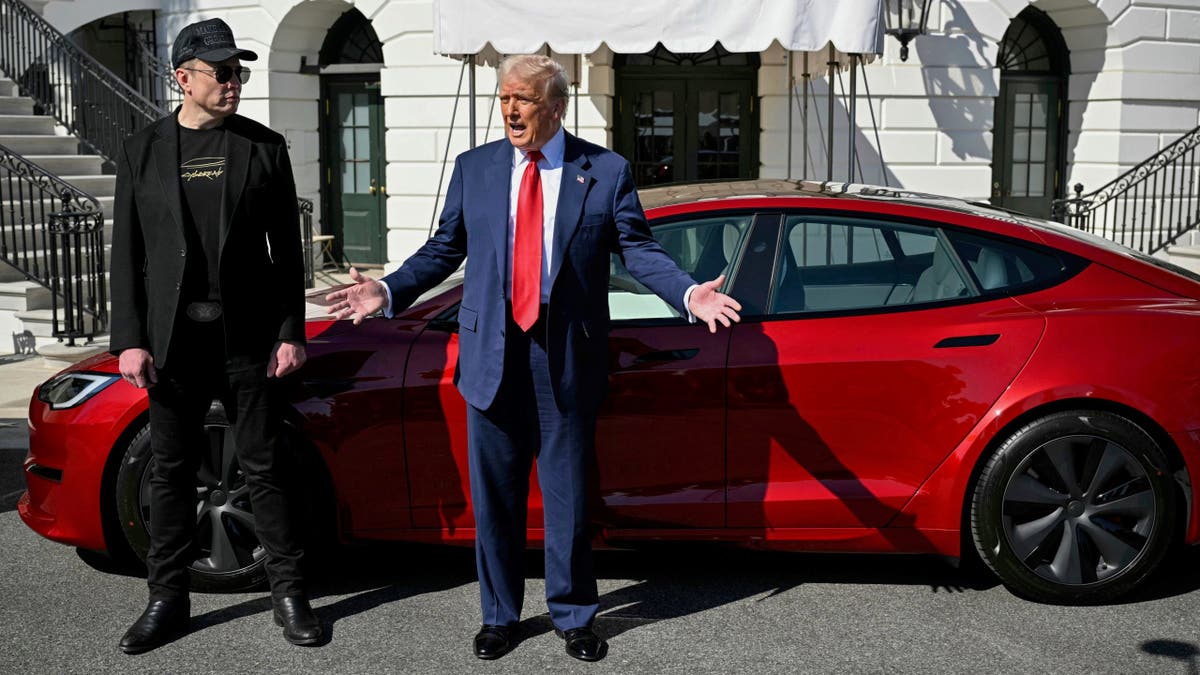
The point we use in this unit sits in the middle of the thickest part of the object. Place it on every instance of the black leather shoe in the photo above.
(162, 621)
(583, 644)
(492, 642)
(300, 625)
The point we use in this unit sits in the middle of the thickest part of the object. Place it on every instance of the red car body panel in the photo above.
(815, 432)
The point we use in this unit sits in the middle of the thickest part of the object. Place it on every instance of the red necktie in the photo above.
(527, 246)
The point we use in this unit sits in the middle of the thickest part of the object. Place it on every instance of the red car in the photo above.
(913, 374)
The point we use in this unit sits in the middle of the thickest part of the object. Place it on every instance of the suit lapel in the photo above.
(166, 164)
(576, 181)
(237, 158)
(497, 185)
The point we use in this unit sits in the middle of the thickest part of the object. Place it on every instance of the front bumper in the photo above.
(69, 451)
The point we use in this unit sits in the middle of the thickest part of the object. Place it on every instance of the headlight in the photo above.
(70, 389)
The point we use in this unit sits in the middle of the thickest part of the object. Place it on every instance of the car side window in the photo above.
(834, 264)
(704, 248)
(1001, 265)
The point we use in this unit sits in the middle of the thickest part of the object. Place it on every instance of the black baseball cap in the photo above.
(210, 40)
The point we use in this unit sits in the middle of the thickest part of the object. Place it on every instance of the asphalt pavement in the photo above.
(393, 608)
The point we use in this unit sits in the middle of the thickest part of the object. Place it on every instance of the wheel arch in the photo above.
(1144, 422)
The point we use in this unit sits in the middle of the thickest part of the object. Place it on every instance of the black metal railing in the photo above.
(53, 233)
(1148, 207)
(65, 82)
(306, 235)
(156, 78)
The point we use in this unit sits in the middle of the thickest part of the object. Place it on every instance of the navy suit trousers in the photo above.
(524, 424)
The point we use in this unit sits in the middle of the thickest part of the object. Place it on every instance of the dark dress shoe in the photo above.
(300, 625)
(162, 621)
(583, 644)
(492, 642)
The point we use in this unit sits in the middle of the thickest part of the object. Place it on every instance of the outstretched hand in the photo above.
(710, 305)
(365, 297)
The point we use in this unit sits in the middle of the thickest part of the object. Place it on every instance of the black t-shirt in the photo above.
(202, 176)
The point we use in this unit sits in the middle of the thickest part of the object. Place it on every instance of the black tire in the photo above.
(241, 565)
(1076, 507)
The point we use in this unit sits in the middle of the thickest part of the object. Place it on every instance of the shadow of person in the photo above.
(364, 578)
(1184, 652)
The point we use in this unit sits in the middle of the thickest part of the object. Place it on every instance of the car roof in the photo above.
(1097, 248)
(686, 193)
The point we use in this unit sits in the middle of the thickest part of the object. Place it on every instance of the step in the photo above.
(1187, 257)
(40, 144)
(20, 296)
(73, 165)
(96, 185)
(34, 208)
(16, 105)
(10, 273)
(25, 233)
(40, 322)
(58, 355)
(8, 87)
(35, 125)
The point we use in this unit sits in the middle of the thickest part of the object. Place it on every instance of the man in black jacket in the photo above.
(203, 197)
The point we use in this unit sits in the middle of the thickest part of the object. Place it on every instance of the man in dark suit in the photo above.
(206, 198)
(539, 214)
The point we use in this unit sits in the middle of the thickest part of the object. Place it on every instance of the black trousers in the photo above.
(199, 371)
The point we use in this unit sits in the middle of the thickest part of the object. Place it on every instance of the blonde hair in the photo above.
(534, 68)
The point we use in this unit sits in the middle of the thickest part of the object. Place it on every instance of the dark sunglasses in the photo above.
(224, 74)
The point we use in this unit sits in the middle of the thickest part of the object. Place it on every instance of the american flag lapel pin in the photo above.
(578, 178)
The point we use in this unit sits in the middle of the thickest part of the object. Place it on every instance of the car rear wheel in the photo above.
(1075, 507)
(228, 555)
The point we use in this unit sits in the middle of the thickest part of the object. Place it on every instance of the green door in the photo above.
(354, 170)
(1025, 174)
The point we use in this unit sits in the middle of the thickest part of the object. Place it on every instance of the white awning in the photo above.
(462, 27)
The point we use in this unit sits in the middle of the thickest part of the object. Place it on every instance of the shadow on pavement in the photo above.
(14, 445)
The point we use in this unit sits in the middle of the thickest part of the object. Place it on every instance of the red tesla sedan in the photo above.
(913, 374)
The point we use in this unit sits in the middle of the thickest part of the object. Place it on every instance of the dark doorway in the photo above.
(354, 193)
(1029, 161)
(684, 117)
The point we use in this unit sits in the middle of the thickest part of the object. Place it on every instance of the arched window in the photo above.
(351, 39)
(1030, 130)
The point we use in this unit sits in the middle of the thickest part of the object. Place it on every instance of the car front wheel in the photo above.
(1075, 507)
(227, 553)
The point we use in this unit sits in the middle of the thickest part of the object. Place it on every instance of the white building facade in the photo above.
(1004, 100)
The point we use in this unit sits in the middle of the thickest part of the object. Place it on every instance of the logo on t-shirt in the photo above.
(210, 168)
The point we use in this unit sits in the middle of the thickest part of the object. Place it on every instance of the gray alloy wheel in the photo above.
(1075, 507)
(228, 556)
(1079, 524)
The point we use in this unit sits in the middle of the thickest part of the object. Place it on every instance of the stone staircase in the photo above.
(25, 305)
(1186, 253)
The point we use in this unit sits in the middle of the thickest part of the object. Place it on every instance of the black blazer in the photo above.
(261, 263)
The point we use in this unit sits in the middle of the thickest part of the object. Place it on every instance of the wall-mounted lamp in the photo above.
(906, 20)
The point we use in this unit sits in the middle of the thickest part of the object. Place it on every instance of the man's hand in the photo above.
(359, 301)
(286, 357)
(137, 367)
(710, 305)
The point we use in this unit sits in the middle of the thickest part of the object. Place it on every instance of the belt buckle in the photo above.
(204, 312)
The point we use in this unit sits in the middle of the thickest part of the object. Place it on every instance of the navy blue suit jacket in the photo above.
(598, 213)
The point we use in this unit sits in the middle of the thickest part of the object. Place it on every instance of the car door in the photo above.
(660, 438)
(874, 355)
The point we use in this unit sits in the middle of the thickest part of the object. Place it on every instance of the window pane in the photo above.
(346, 106)
(1020, 180)
(362, 143)
(1037, 180)
(999, 264)
(841, 265)
(1022, 116)
(703, 248)
(1037, 146)
(1020, 146)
